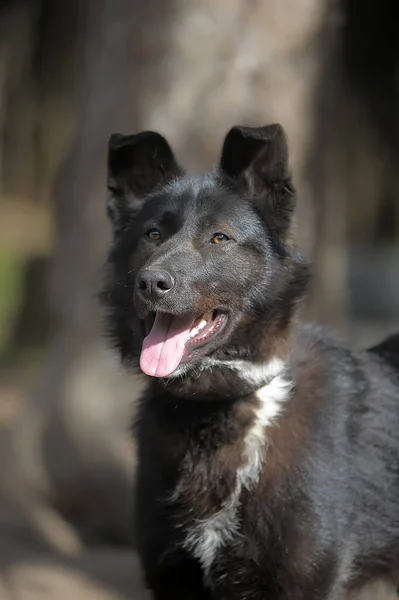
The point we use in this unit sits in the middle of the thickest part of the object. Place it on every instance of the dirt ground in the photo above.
(29, 568)
(27, 573)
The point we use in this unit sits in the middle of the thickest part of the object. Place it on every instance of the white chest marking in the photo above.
(205, 538)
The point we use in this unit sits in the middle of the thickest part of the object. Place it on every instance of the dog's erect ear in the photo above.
(257, 154)
(136, 165)
(258, 159)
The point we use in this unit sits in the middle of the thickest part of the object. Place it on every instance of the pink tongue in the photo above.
(163, 348)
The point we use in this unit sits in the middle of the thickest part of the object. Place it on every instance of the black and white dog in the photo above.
(268, 453)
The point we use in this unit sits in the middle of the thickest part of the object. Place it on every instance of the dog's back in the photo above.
(388, 349)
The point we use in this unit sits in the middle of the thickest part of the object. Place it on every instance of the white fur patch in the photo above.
(252, 373)
(207, 536)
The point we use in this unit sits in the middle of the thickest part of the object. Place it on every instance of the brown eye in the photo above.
(218, 238)
(154, 234)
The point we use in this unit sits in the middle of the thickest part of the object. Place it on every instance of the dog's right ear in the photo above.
(257, 159)
(258, 156)
(137, 164)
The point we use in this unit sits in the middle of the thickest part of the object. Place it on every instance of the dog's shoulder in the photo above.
(388, 350)
(317, 352)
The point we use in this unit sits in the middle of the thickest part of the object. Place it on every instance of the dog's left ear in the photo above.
(136, 165)
(257, 158)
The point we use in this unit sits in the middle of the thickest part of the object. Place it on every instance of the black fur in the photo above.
(323, 517)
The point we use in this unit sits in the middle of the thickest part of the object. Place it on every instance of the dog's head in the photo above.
(202, 267)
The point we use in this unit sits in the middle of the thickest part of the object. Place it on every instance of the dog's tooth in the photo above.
(207, 315)
(201, 324)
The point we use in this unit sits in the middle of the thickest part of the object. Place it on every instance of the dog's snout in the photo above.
(154, 284)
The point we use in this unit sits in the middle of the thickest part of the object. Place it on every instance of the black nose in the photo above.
(154, 284)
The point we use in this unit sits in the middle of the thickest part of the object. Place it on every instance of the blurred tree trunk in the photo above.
(18, 29)
(73, 442)
(327, 177)
(86, 449)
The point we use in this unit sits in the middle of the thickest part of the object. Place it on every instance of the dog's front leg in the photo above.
(176, 580)
(242, 580)
(237, 576)
(259, 589)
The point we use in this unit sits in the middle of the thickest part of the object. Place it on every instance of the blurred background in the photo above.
(72, 73)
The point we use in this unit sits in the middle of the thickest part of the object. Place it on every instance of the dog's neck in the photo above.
(251, 373)
(218, 379)
(231, 376)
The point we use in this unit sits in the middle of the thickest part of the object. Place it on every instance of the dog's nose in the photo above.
(154, 284)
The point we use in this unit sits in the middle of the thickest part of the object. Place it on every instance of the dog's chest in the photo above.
(212, 515)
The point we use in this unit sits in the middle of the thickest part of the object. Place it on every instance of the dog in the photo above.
(268, 453)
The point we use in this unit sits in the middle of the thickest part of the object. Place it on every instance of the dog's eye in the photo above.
(218, 238)
(154, 234)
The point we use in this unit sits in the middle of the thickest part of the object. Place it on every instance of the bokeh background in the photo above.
(73, 72)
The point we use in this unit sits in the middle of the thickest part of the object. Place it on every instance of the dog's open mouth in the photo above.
(171, 339)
